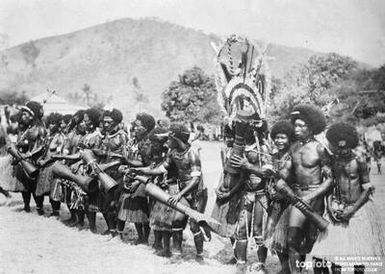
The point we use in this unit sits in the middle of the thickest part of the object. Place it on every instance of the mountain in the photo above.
(126, 63)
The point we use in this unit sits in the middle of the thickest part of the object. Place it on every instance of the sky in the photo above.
(350, 27)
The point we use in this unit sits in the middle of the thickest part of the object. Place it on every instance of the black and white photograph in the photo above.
(192, 136)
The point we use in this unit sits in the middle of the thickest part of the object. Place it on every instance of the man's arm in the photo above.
(367, 188)
(190, 185)
(195, 177)
(156, 170)
(244, 164)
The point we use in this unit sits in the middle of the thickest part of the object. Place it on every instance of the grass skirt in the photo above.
(44, 181)
(8, 180)
(362, 237)
(226, 212)
(162, 216)
(279, 237)
(134, 207)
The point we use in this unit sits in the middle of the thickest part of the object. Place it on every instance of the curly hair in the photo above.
(36, 108)
(54, 118)
(180, 131)
(94, 116)
(115, 114)
(342, 134)
(157, 143)
(283, 127)
(147, 120)
(67, 118)
(312, 115)
(78, 116)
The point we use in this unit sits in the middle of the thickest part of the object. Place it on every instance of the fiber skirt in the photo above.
(134, 207)
(279, 238)
(162, 216)
(361, 237)
(13, 178)
(44, 181)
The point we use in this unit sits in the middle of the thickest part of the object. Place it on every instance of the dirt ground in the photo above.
(34, 244)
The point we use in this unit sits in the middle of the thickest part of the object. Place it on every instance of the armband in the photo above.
(195, 173)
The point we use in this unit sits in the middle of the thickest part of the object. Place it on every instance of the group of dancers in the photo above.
(279, 189)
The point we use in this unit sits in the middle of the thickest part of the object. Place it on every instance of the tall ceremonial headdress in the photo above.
(242, 77)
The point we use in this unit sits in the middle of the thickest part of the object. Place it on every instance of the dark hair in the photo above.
(283, 127)
(147, 120)
(342, 132)
(36, 108)
(115, 114)
(67, 118)
(54, 118)
(312, 115)
(180, 131)
(94, 116)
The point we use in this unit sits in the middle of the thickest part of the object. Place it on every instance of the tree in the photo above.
(313, 82)
(13, 98)
(379, 78)
(192, 98)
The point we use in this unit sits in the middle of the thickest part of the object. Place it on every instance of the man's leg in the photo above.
(295, 238)
(198, 239)
(139, 231)
(158, 234)
(81, 213)
(26, 199)
(284, 260)
(91, 216)
(39, 200)
(240, 247)
(166, 251)
(178, 225)
(72, 220)
(55, 208)
(258, 228)
(146, 232)
(109, 214)
(233, 260)
(120, 227)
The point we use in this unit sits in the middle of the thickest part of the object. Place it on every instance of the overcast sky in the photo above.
(351, 27)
